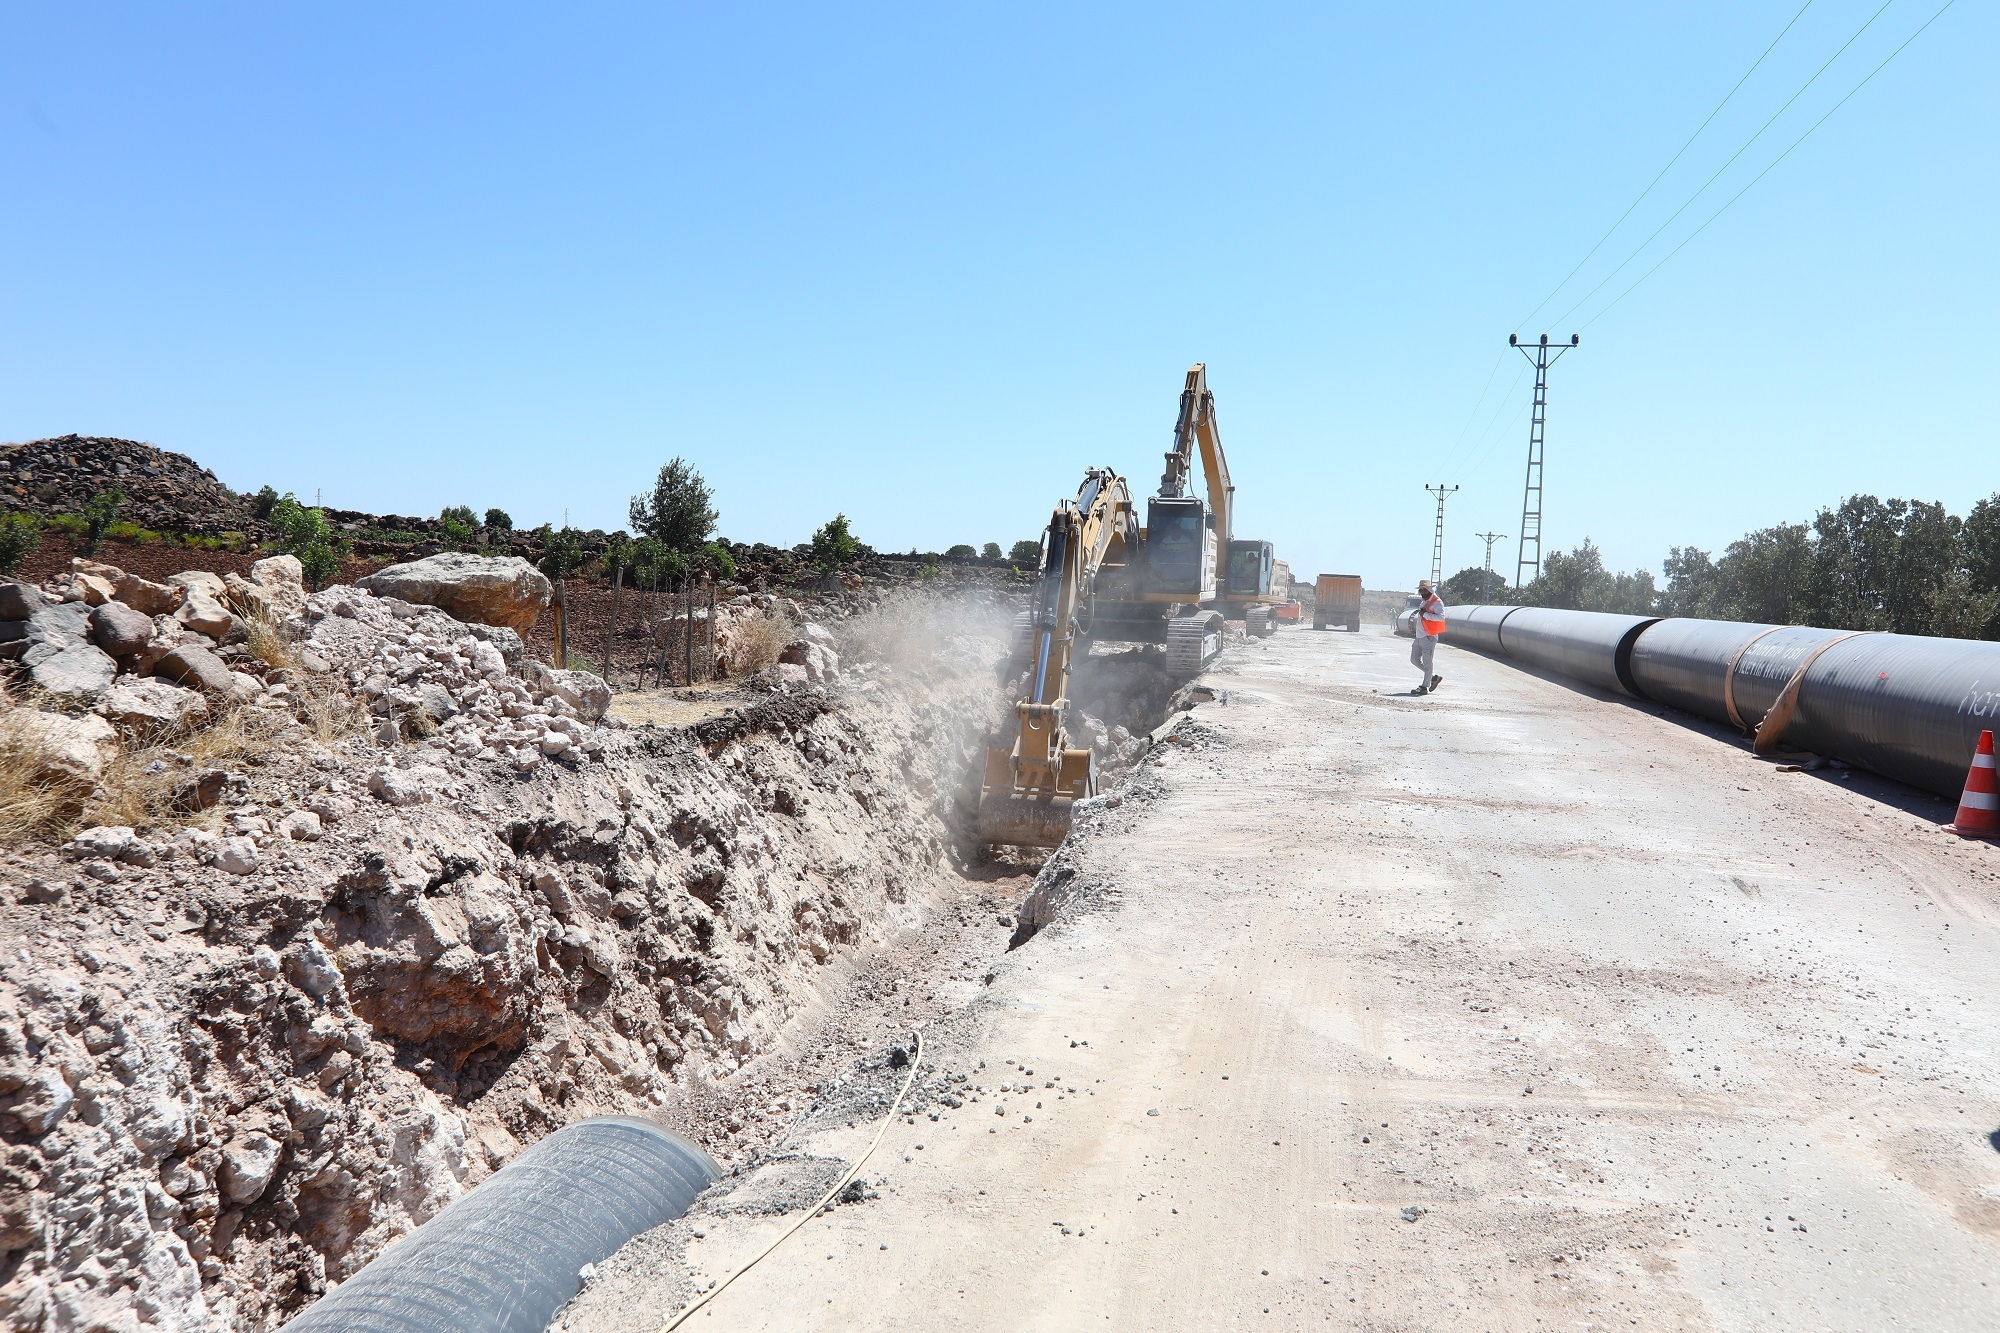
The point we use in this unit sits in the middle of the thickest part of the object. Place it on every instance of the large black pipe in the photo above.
(1590, 646)
(1908, 707)
(506, 1257)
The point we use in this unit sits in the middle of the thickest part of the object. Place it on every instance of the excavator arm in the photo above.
(1197, 429)
(1034, 776)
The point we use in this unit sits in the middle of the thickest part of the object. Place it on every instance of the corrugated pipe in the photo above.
(507, 1256)
(1907, 707)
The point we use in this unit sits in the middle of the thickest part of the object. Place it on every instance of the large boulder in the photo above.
(79, 674)
(205, 609)
(63, 746)
(195, 666)
(488, 590)
(275, 589)
(151, 708)
(142, 595)
(18, 601)
(584, 691)
(119, 630)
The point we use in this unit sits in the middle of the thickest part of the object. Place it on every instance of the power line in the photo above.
(1669, 167)
(1767, 170)
(1726, 165)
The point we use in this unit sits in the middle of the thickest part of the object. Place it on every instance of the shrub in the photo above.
(760, 640)
(263, 502)
(1025, 553)
(458, 528)
(715, 558)
(833, 545)
(498, 520)
(561, 551)
(305, 533)
(990, 551)
(98, 514)
(19, 536)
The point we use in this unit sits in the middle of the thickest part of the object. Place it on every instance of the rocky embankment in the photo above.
(311, 958)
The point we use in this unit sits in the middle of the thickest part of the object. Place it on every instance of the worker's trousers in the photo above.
(1423, 653)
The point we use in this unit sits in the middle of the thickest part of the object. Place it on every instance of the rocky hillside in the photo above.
(163, 491)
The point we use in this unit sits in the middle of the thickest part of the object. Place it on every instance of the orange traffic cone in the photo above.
(1979, 807)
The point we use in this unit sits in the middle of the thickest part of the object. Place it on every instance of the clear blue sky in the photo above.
(923, 264)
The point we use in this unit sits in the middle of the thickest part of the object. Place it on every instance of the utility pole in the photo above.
(1489, 538)
(1437, 537)
(1526, 569)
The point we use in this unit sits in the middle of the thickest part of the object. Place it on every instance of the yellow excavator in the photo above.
(1195, 572)
(1033, 774)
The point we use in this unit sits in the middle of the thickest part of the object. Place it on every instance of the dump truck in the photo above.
(1337, 601)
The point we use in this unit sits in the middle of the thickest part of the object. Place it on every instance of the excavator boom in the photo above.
(1033, 774)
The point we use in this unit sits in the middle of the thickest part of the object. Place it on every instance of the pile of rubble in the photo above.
(164, 491)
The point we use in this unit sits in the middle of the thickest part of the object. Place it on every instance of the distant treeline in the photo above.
(1869, 564)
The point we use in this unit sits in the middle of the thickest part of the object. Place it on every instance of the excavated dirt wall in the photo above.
(229, 1081)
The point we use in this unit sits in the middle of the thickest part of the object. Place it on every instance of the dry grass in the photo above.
(35, 803)
(760, 639)
(133, 796)
(326, 710)
(265, 637)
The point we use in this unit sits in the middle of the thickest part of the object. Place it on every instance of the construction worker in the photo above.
(1424, 638)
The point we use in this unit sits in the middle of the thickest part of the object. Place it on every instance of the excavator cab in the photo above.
(1250, 565)
(1180, 549)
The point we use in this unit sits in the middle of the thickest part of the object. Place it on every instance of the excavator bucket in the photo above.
(1012, 815)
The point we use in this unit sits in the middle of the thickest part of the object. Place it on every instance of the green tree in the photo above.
(961, 552)
(990, 551)
(833, 545)
(717, 561)
(677, 514)
(99, 513)
(304, 532)
(1691, 583)
(1025, 553)
(1762, 577)
(499, 520)
(1468, 587)
(20, 534)
(262, 501)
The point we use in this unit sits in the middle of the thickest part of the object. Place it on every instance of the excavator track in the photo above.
(1193, 642)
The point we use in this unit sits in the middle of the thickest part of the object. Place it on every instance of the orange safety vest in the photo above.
(1432, 614)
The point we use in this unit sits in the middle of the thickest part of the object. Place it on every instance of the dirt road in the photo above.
(1515, 1007)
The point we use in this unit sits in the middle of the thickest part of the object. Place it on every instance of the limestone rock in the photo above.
(248, 1165)
(585, 692)
(192, 665)
(112, 842)
(205, 608)
(79, 674)
(275, 589)
(151, 708)
(301, 826)
(397, 787)
(237, 856)
(74, 747)
(119, 629)
(489, 590)
(18, 601)
(54, 628)
(142, 595)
